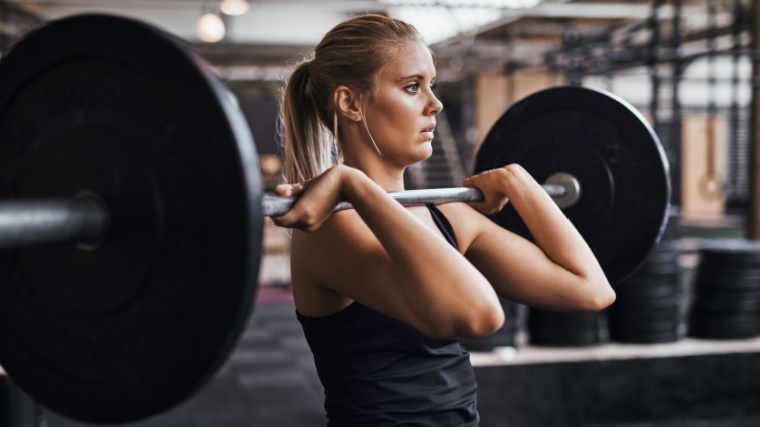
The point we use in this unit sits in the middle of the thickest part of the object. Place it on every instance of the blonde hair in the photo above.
(350, 54)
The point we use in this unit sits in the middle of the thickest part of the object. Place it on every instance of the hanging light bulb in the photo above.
(233, 7)
(210, 28)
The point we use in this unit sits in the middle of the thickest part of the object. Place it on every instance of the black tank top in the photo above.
(378, 371)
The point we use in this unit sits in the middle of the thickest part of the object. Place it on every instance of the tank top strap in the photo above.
(444, 225)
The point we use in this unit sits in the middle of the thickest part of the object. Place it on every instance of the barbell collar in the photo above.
(25, 223)
(568, 189)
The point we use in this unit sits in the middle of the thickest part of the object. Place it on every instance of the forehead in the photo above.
(409, 60)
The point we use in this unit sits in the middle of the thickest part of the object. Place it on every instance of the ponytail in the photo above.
(309, 147)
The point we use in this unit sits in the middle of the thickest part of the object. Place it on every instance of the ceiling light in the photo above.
(233, 7)
(210, 28)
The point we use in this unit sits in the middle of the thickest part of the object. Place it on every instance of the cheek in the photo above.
(395, 116)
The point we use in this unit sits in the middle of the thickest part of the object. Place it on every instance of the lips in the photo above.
(427, 133)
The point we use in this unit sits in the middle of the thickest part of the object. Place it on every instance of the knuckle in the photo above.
(308, 216)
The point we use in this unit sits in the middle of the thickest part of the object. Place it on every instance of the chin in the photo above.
(420, 153)
(424, 152)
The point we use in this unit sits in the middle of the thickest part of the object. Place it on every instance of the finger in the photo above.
(283, 189)
(306, 184)
(286, 220)
(288, 190)
(296, 189)
(470, 182)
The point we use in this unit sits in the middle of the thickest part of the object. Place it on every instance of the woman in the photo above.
(383, 291)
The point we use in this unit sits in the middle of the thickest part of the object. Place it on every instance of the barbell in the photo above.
(132, 209)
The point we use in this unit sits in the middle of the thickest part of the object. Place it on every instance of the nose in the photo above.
(434, 105)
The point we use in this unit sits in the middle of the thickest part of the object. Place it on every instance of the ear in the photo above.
(347, 103)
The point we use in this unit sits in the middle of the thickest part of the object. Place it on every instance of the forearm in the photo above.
(434, 281)
(551, 230)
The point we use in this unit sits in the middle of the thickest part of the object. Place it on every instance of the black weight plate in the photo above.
(645, 279)
(646, 286)
(136, 325)
(708, 292)
(701, 328)
(720, 271)
(652, 325)
(722, 318)
(716, 304)
(707, 332)
(562, 337)
(727, 283)
(672, 230)
(640, 304)
(734, 252)
(644, 314)
(539, 318)
(646, 304)
(645, 337)
(613, 153)
(662, 257)
(632, 295)
(659, 268)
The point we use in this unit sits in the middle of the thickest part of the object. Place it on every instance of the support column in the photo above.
(753, 221)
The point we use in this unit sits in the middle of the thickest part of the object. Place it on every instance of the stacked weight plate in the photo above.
(726, 299)
(647, 308)
(504, 337)
(553, 328)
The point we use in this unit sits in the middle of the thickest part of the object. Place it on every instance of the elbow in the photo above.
(484, 325)
(476, 323)
(599, 300)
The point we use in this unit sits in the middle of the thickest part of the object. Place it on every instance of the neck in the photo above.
(388, 177)
(360, 153)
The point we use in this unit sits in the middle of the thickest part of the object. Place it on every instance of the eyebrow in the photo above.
(416, 76)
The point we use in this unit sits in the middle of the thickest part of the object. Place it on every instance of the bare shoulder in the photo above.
(342, 229)
(342, 235)
(323, 259)
(466, 221)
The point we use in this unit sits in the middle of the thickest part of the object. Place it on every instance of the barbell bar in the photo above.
(562, 187)
(84, 220)
(114, 135)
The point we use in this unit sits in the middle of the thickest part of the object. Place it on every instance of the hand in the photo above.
(493, 185)
(318, 198)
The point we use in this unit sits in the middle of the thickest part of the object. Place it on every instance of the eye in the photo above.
(413, 87)
(434, 86)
